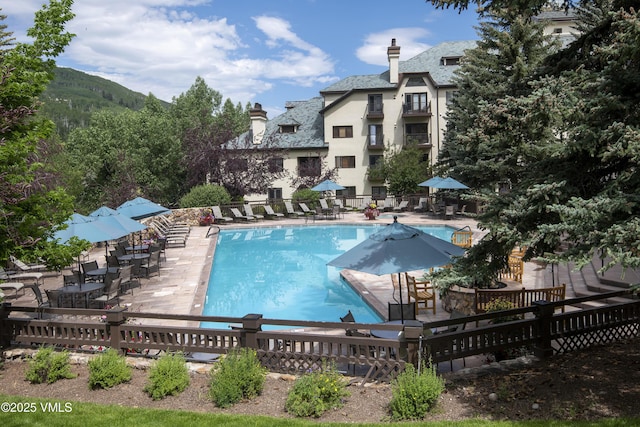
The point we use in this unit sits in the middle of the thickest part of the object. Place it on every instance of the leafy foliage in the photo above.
(316, 392)
(49, 366)
(168, 376)
(414, 394)
(205, 195)
(306, 195)
(404, 170)
(108, 369)
(238, 376)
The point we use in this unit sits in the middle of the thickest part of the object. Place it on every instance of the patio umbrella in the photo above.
(431, 182)
(444, 183)
(140, 208)
(115, 219)
(397, 248)
(327, 185)
(88, 228)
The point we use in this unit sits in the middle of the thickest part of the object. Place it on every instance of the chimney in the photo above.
(258, 122)
(393, 54)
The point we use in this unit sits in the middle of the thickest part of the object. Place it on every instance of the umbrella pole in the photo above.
(401, 308)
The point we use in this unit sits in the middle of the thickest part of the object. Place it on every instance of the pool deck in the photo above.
(181, 285)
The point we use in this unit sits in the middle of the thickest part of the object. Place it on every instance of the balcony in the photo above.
(375, 174)
(375, 142)
(375, 110)
(420, 140)
(409, 110)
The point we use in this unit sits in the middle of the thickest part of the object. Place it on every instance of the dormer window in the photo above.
(288, 128)
(450, 60)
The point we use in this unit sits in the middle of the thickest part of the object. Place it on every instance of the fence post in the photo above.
(250, 325)
(5, 336)
(412, 331)
(115, 318)
(543, 310)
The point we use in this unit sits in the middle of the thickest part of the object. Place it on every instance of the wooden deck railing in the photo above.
(311, 343)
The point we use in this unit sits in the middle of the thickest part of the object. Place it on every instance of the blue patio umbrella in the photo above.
(398, 248)
(444, 183)
(140, 208)
(115, 219)
(327, 185)
(88, 228)
(431, 182)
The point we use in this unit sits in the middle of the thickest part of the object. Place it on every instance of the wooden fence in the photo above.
(311, 343)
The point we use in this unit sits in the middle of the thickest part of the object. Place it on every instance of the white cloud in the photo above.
(374, 48)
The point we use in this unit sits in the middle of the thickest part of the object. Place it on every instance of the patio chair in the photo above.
(422, 205)
(422, 292)
(462, 211)
(237, 215)
(404, 311)
(71, 279)
(248, 211)
(127, 282)
(88, 266)
(218, 217)
(111, 293)
(306, 209)
(291, 212)
(402, 206)
(268, 210)
(449, 212)
(340, 204)
(356, 350)
(152, 265)
(53, 298)
(41, 302)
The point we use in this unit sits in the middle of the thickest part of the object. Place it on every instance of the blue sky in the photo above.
(248, 50)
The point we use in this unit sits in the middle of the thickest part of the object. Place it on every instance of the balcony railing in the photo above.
(416, 111)
(422, 140)
(375, 142)
(375, 110)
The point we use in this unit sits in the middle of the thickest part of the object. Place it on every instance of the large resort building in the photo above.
(355, 121)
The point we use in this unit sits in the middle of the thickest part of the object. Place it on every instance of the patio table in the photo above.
(84, 290)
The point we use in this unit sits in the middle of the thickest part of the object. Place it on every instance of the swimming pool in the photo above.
(282, 273)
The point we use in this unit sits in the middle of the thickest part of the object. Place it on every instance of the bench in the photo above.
(518, 297)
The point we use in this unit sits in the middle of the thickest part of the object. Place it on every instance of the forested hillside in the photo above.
(73, 95)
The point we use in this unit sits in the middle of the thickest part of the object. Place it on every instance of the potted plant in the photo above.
(371, 211)
(206, 217)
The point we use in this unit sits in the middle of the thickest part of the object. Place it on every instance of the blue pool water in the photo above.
(282, 273)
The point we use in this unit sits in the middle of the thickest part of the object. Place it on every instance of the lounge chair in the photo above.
(326, 210)
(14, 286)
(12, 276)
(402, 206)
(306, 209)
(291, 212)
(388, 204)
(268, 210)
(26, 268)
(338, 202)
(248, 211)
(239, 217)
(422, 205)
(365, 203)
(218, 217)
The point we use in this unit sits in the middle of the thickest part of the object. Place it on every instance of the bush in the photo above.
(306, 195)
(238, 376)
(413, 394)
(108, 369)
(500, 304)
(168, 376)
(314, 393)
(205, 195)
(49, 366)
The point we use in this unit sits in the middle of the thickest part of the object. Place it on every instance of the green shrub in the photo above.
(168, 376)
(500, 304)
(205, 195)
(306, 195)
(238, 376)
(49, 366)
(413, 394)
(314, 393)
(108, 369)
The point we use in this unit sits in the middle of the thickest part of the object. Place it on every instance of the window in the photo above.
(452, 60)
(557, 31)
(375, 103)
(449, 95)
(275, 193)
(415, 81)
(375, 135)
(343, 131)
(417, 133)
(374, 159)
(276, 164)
(309, 166)
(347, 192)
(379, 192)
(287, 128)
(415, 102)
(345, 162)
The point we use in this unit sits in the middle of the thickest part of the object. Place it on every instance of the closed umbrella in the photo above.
(397, 248)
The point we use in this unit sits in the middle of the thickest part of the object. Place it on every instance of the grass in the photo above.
(77, 414)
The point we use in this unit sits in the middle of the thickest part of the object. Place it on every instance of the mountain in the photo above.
(73, 96)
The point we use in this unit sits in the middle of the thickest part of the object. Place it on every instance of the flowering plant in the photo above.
(371, 211)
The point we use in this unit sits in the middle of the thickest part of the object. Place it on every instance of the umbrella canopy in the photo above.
(327, 185)
(140, 208)
(444, 183)
(115, 219)
(397, 248)
(88, 228)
